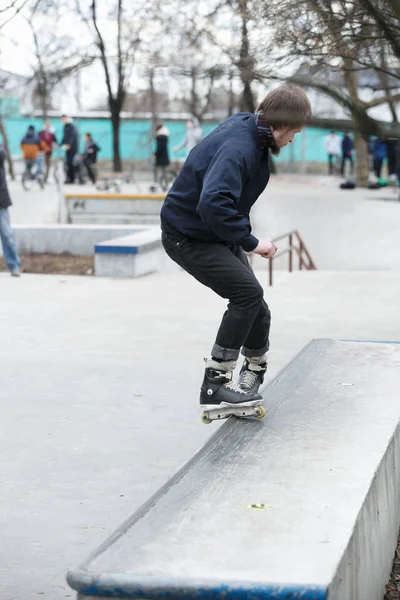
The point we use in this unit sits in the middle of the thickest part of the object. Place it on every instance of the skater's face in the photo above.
(285, 135)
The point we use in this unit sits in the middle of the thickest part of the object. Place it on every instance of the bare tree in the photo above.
(56, 61)
(3, 133)
(5, 87)
(246, 62)
(339, 38)
(117, 56)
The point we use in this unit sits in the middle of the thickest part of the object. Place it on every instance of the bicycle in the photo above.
(168, 176)
(28, 176)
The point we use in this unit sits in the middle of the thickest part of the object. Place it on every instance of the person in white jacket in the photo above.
(333, 147)
(192, 137)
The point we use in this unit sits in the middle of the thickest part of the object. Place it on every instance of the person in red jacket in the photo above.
(49, 140)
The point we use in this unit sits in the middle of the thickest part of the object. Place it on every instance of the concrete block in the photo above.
(131, 256)
(113, 219)
(78, 240)
(304, 504)
(113, 204)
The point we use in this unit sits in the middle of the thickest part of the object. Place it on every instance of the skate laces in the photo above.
(235, 387)
(248, 379)
(249, 376)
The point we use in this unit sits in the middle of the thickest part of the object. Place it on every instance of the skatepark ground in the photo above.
(100, 377)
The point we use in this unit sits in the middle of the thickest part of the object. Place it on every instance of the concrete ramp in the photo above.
(304, 504)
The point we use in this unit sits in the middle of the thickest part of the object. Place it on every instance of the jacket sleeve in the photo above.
(182, 144)
(69, 137)
(220, 195)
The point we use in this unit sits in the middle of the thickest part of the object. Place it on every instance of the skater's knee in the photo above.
(248, 297)
(256, 295)
(265, 313)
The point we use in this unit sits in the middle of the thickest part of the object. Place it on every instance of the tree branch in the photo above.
(120, 92)
(395, 5)
(17, 11)
(103, 55)
(383, 100)
(382, 22)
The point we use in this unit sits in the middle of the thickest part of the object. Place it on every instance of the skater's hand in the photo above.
(266, 248)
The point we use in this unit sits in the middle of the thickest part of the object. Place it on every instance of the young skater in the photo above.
(206, 230)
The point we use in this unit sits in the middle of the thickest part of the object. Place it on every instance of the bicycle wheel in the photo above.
(170, 177)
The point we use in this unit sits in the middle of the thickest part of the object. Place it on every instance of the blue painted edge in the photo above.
(116, 250)
(146, 587)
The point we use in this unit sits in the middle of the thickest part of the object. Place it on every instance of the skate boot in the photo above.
(221, 398)
(252, 374)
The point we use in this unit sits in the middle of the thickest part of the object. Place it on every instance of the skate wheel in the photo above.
(260, 412)
(205, 419)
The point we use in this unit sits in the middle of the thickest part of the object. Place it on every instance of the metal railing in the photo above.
(297, 246)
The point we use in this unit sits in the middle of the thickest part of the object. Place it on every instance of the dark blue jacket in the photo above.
(347, 145)
(379, 148)
(91, 151)
(220, 181)
(70, 138)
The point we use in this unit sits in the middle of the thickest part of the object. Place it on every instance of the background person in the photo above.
(7, 237)
(161, 154)
(90, 156)
(347, 154)
(391, 154)
(49, 140)
(192, 137)
(379, 153)
(70, 145)
(31, 147)
(332, 145)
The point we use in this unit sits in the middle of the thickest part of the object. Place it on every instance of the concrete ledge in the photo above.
(103, 196)
(116, 206)
(78, 240)
(324, 465)
(131, 255)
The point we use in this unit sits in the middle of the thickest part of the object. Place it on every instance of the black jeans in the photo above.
(343, 165)
(378, 162)
(69, 159)
(91, 169)
(392, 164)
(226, 270)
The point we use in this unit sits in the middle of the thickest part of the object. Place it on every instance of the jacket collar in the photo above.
(265, 135)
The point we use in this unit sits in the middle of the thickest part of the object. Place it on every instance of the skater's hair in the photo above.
(286, 105)
(88, 135)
